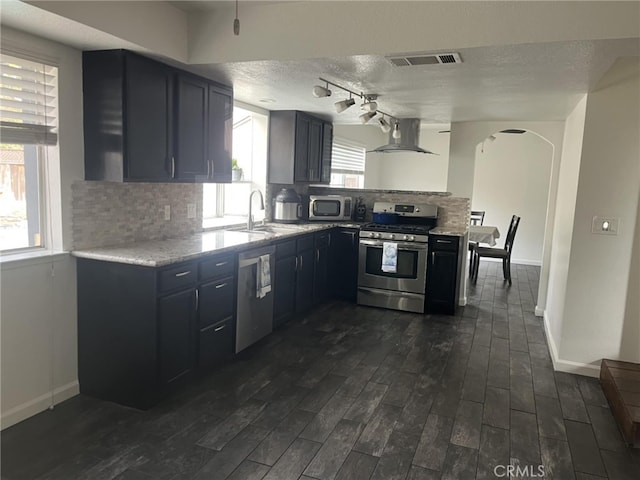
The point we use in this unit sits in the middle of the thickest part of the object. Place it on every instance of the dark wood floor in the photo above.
(354, 393)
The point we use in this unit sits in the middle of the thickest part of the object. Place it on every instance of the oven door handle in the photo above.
(401, 245)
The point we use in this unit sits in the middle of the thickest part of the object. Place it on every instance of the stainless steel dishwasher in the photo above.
(254, 314)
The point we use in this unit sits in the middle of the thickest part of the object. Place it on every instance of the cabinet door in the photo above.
(315, 150)
(321, 275)
(301, 156)
(148, 106)
(215, 343)
(175, 335)
(284, 289)
(344, 264)
(191, 129)
(441, 283)
(327, 145)
(304, 280)
(219, 134)
(215, 301)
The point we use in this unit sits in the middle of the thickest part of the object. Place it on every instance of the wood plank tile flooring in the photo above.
(350, 392)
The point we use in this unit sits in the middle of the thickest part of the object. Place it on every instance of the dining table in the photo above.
(484, 234)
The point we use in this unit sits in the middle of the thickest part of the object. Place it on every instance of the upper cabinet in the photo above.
(299, 148)
(147, 121)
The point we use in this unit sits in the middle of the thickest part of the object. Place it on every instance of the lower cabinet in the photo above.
(142, 329)
(443, 273)
(305, 273)
(284, 285)
(343, 266)
(322, 242)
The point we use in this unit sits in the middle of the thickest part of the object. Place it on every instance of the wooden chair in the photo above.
(477, 218)
(503, 253)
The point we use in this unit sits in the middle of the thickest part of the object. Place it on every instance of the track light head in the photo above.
(396, 131)
(342, 105)
(384, 125)
(369, 106)
(319, 91)
(365, 117)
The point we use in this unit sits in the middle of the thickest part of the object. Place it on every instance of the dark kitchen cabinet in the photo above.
(305, 273)
(284, 285)
(175, 331)
(299, 148)
(141, 330)
(147, 121)
(191, 157)
(443, 273)
(321, 267)
(343, 264)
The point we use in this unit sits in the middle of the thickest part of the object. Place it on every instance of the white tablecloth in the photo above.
(483, 234)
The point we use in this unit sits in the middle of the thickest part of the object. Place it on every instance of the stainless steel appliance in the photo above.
(254, 314)
(287, 207)
(330, 207)
(402, 289)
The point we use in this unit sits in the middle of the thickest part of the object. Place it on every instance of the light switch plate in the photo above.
(605, 225)
(191, 210)
(167, 212)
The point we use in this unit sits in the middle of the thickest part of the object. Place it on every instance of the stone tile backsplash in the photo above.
(453, 212)
(107, 213)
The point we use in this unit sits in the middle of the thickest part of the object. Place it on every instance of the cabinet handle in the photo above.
(221, 285)
(182, 274)
(300, 262)
(296, 267)
(444, 241)
(318, 256)
(219, 328)
(197, 299)
(208, 168)
(433, 257)
(221, 264)
(173, 167)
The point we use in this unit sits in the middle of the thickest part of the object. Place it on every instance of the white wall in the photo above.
(608, 184)
(563, 223)
(401, 171)
(512, 176)
(630, 341)
(33, 303)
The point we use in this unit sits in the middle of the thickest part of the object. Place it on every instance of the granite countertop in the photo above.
(157, 253)
(460, 232)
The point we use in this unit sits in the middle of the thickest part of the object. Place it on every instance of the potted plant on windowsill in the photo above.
(236, 171)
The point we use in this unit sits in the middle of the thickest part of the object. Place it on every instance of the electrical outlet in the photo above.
(191, 210)
(605, 225)
(167, 212)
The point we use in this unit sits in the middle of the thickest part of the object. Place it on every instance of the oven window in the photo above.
(407, 263)
(326, 208)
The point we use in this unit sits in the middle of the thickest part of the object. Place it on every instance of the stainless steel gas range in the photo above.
(392, 269)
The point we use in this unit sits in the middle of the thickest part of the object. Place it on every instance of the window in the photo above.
(28, 121)
(347, 164)
(228, 204)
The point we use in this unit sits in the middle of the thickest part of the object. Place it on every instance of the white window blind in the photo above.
(28, 101)
(347, 157)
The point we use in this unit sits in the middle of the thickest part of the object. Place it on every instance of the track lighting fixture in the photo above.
(384, 125)
(365, 117)
(320, 92)
(342, 105)
(370, 106)
(396, 131)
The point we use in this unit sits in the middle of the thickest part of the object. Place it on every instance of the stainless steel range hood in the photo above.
(409, 138)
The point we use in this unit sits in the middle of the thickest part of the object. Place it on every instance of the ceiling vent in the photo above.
(431, 59)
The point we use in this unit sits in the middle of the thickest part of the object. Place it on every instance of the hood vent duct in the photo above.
(430, 59)
(409, 138)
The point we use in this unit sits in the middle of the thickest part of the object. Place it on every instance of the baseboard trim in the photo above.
(38, 404)
(462, 301)
(514, 261)
(538, 312)
(567, 366)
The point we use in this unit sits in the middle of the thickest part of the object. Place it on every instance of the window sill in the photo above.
(21, 259)
(221, 223)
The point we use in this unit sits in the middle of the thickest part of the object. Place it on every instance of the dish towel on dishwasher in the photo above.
(389, 257)
(263, 279)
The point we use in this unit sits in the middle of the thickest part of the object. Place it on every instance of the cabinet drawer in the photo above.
(173, 278)
(215, 267)
(441, 242)
(286, 249)
(215, 343)
(215, 301)
(323, 239)
(304, 243)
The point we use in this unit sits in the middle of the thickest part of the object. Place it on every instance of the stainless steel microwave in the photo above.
(329, 207)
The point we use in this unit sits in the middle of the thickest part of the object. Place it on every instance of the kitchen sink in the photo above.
(270, 229)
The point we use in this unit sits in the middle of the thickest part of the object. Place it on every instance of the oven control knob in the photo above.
(371, 234)
(411, 238)
(378, 235)
(392, 236)
(406, 237)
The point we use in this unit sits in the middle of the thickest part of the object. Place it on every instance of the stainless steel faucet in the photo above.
(250, 219)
